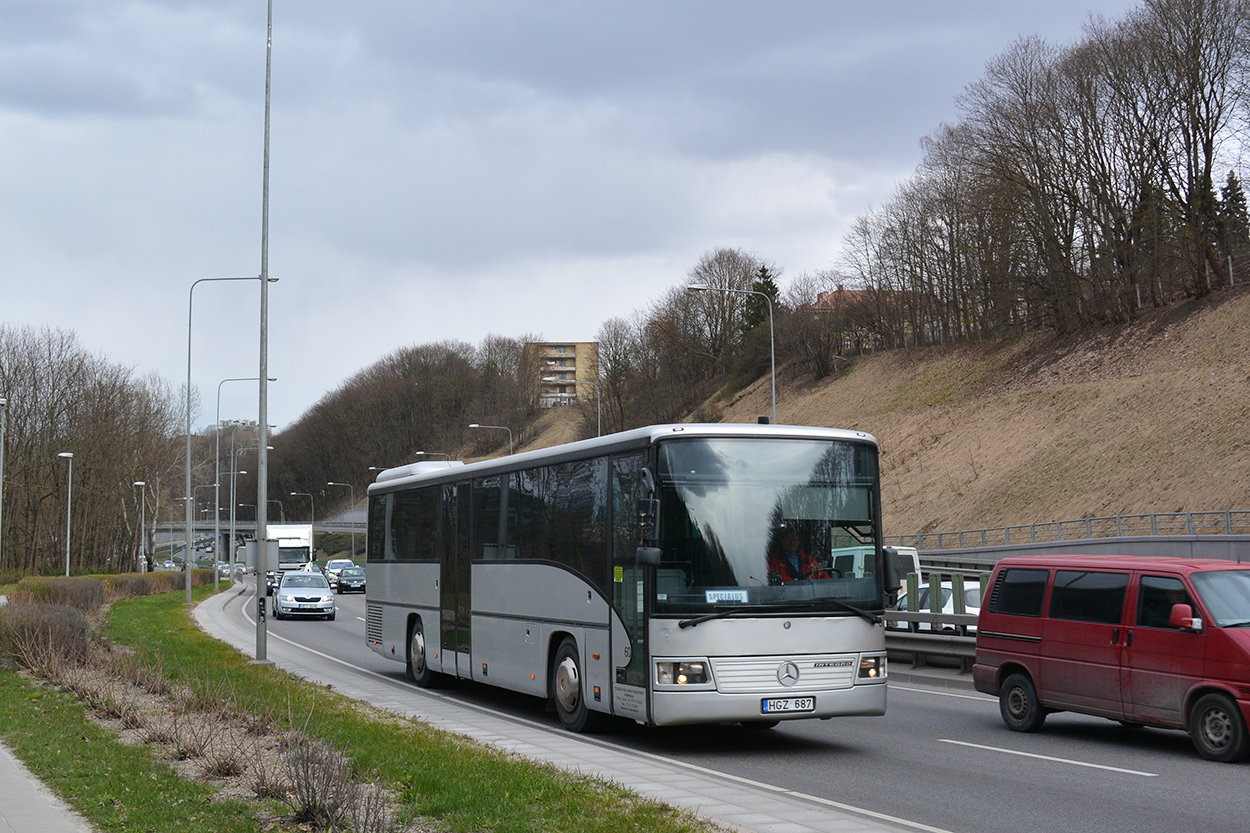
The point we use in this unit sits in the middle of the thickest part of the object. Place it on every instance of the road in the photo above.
(940, 758)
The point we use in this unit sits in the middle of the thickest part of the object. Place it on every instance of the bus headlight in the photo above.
(872, 668)
(686, 672)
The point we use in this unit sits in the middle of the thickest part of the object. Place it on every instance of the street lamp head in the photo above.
(140, 483)
(474, 425)
(696, 287)
(66, 454)
(553, 379)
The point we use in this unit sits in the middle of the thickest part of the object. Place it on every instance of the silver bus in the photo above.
(651, 574)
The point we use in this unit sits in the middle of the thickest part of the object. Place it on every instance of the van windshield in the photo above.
(1226, 596)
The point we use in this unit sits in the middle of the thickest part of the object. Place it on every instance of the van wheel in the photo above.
(1218, 729)
(567, 689)
(1017, 700)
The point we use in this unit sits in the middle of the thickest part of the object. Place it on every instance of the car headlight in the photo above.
(872, 668)
(685, 672)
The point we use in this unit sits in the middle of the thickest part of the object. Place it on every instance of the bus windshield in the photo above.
(787, 524)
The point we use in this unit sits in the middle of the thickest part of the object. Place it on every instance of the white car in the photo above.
(301, 593)
(972, 601)
(334, 565)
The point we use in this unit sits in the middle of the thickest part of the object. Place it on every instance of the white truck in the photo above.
(295, 549)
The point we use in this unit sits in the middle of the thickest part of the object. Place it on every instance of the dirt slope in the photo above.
(1151, 417)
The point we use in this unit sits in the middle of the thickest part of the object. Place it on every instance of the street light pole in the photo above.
(353, 491)
(772, 350)
(4, 419)
(217, 474)
(69, 504)
(143, 525)
(499, 428)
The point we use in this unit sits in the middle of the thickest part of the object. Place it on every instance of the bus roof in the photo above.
(612, 443)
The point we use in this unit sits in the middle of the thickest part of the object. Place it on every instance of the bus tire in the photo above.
(1018, 704)
(1218, 729)
(418, 669)
(567, 689)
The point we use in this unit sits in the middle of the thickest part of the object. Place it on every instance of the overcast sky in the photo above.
(445, 170)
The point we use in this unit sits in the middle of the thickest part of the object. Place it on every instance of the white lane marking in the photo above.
(850, 808)
(360, 618)
(983, 698)
(1050, 758)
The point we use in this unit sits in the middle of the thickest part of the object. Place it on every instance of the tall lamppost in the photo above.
(312, 538)
(598, 396)
(498, 428)
(353, 491)
(217, 472)
(4, 419)
(772, 351)
(187, 393)
(69, 504)
(143, 525)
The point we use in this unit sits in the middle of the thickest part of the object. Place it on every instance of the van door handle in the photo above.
(1128, 638)
(1115, 636)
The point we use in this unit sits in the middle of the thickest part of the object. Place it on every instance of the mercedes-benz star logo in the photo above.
(787, 673)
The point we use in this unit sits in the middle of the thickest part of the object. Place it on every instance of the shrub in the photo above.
(43, 638)
(84, 593)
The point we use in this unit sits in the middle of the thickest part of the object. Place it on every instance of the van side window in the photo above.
(1019, 592)
(1155, 598)
(1087, 596)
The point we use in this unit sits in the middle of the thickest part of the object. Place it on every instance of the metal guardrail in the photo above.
(1232, 522)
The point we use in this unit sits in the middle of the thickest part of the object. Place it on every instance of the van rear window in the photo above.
(1019, 592)
(1088, 596)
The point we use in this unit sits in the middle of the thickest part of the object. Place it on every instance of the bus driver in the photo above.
(788, 561)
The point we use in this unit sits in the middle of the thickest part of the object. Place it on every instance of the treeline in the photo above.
(120, 429)
(418, 399)
(1077, 188)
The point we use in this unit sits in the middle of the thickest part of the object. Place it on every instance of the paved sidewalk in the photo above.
(27, 806)
(744, 804)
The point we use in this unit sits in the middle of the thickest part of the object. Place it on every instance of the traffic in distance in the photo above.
(674, 574)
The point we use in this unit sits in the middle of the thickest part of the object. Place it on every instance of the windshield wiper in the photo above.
(788, 603)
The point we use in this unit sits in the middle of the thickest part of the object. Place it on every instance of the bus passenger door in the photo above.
(630, 591)
(454, 592)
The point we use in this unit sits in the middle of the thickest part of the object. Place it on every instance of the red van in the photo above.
(1145, 641)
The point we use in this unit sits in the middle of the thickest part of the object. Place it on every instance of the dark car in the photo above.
(351, 579)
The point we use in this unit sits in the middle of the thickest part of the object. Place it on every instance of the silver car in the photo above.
(301, 593)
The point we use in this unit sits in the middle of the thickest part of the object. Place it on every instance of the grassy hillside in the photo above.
(1150, 417)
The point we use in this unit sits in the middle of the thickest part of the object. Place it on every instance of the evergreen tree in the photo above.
(1233, 212)
(757, 308)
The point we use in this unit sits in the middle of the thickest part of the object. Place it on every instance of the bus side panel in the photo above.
(519, 609)
(409, 588)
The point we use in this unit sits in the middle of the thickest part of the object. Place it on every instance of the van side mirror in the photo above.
(1182, 616)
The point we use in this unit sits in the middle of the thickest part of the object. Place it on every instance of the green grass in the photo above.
(463, 785)
(115, 786)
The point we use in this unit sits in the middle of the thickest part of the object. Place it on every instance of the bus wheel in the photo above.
(566, 688)
(1017, 701)
(418, 671)
(1217, 729)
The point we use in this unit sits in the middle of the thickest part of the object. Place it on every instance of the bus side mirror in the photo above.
(648, 556)
(648, 520)
(893, 576)
(1182, 616)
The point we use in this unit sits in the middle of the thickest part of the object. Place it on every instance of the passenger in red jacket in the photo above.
(789, 561)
